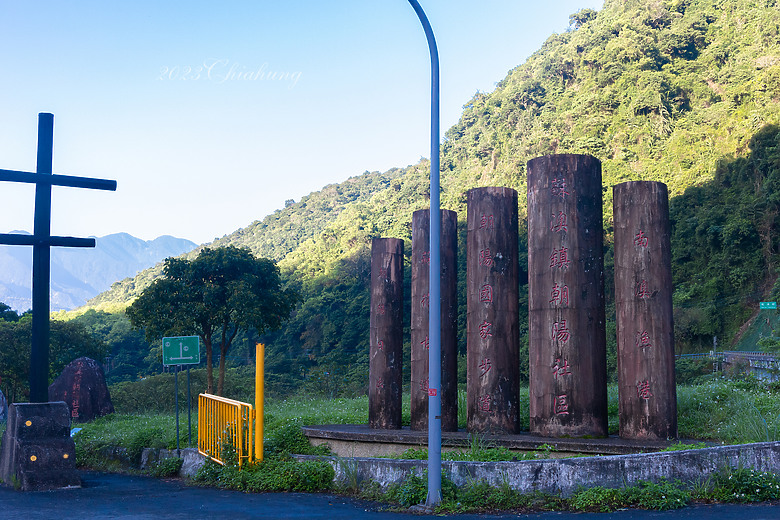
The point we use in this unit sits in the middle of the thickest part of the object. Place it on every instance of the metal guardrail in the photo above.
(224, 422)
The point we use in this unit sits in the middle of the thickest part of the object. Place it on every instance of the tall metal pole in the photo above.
(434, 320)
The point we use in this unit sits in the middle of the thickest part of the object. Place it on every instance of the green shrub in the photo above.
(645, 495)
(271, 475)
(289, 438)
(745, 485)
(411, 491)
(165, 468)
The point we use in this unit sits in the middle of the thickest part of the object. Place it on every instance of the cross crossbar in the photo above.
(57, 180)
(14, 239)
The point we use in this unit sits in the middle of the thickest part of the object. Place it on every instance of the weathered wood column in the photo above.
(566, 329)
(492, 310)
(449, 319)
(643, 297)
(386, 330)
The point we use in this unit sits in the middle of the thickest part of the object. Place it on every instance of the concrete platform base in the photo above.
(37, 453)
(565, 476)
(358, 440)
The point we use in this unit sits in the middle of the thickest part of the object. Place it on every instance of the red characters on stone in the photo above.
(424, 385)
(643, 390)
(641, 290)
(380, 308)
(560, 331)
(380, 383)
(640, 239)
(486, 293)
(561, 369)
(484, 403)
(485, 258)
(426, 257)
(484, 329)
(559, 295)
(424, 301)
(558, 223)
(559, 258)
(558, 188)
(643, 340)
(426, 343)
(486, 222)
(561, 405)
(484, 366)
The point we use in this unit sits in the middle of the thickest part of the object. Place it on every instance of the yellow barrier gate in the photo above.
(224, 422)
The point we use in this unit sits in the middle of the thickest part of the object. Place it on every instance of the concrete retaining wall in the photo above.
(565, 476)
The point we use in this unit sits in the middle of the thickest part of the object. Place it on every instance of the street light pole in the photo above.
(434, 280)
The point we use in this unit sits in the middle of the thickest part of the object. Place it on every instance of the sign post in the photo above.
(767, 305)
(177, 351)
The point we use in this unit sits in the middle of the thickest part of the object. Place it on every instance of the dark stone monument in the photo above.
(32, 470)
(38, 453)
(566, 328)
(449, 319)
(82, 386)
(3, 408)
(492, 311)
(386, 333)
(643, 297)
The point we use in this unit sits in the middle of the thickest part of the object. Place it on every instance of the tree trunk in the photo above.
(223, 348)
(209, 366)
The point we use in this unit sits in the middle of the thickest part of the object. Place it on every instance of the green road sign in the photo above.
(181, 350)
(767, 305)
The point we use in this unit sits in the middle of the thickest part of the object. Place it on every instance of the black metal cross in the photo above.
(41, 241)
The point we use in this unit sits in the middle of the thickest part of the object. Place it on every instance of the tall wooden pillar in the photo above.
(449, 319)
(492, 315)
(566, 329)
(386, 331)
(643, 297)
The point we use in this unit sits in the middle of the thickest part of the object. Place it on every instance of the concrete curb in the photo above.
(564, 476)
(192, 459)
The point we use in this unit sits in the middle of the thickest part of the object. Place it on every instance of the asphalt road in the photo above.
(106, 495)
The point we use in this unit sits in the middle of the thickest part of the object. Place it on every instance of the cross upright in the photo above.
(41, 242)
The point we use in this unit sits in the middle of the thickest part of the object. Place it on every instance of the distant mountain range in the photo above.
(78, 274)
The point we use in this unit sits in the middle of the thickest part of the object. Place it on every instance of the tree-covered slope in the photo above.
(679, 91)
(273, 237)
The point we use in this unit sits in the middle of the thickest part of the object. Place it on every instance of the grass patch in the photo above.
(732, 412)
(131, 432)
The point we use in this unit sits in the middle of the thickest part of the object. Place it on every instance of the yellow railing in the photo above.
(223, 423)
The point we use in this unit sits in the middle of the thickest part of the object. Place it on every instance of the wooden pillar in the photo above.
(449, 319)
(566, 329)
(492, 311)
(386, 330)
(643, 297)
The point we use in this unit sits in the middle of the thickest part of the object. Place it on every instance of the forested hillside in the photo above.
(681, 91)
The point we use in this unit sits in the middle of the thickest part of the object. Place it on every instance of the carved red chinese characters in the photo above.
(386, 333)
(449, 320)
(567, 341)
(647, 393)
(492, 306)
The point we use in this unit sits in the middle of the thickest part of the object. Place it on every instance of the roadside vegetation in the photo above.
(712, 409)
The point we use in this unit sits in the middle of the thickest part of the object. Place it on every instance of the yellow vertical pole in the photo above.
(259, 387)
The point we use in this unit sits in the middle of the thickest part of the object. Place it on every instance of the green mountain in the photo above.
(681, 91)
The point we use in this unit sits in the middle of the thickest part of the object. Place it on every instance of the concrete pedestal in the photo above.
(37, 452)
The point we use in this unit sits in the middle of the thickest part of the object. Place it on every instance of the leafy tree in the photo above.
(214, 296)
(128, 348)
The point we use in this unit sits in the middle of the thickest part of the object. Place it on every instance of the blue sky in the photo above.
(210, 115)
